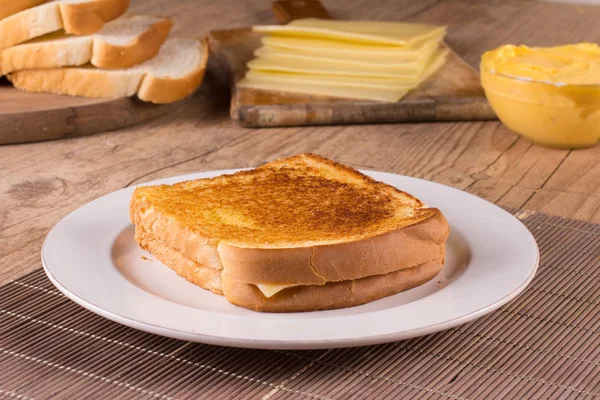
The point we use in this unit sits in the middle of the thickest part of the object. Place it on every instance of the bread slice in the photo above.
(122, 43)
(10, 7)
(173, 74)
(298, 297)
(78, 17)
(330, 295)
(304, 221)
(201, 275)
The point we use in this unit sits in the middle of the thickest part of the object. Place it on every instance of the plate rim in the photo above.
(284, 344)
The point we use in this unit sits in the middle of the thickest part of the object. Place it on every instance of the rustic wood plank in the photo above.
(31, 117)
(42, 182)
(580, 172)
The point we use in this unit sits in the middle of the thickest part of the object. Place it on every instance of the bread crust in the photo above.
(300, 298)
(10, 7)
(195, 247)
(162, 90)
(76, 18)
(403, 248)
(102, 83)
(318, 203)
(46, 55)
(77, 82)
(205, 277)
(330, 296)
(28, 24)
(143, 48)
(90, 17)
(79, 50)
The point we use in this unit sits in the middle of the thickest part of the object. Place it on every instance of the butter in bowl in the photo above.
(550, 95)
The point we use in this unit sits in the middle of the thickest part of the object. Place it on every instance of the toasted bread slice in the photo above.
(302, 221)
(297, 202)
(173, 74)
(203, 276)
(122, 43)
(78, 17)
(330, 295)
(299, 297)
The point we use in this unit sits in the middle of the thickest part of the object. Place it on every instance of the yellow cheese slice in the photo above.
(370, 32)
(337, 86)
(339, 49)
(417, 65)
(309, 65)
(270, 290)
(322, 90)
(303, 65)
(389, 84)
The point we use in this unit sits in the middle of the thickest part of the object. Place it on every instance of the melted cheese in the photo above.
(270, 290)
(370, 32)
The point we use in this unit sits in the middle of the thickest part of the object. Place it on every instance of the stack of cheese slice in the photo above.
(351, 59)
(92, 48)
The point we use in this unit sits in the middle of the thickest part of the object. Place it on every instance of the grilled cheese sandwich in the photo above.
(298, 234)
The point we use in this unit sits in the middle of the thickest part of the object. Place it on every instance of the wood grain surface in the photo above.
(451, 94)
(31, 117)
(42, 182)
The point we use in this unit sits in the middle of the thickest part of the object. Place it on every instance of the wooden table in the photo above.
(42, 182)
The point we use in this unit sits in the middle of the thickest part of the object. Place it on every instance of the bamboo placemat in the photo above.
(543, 345)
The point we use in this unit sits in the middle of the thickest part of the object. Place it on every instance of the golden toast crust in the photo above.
(301, 201)
(400, 249)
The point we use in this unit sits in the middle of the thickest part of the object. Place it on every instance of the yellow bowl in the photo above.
(565, 116)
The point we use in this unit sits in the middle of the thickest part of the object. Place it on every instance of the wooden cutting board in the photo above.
(452, 93)
(31, 117)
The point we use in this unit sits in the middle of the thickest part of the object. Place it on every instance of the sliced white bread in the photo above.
(10, 7)
(78, 17)
(173, 74)
(122, 43)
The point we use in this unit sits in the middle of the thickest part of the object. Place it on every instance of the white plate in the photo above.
(91, 257)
